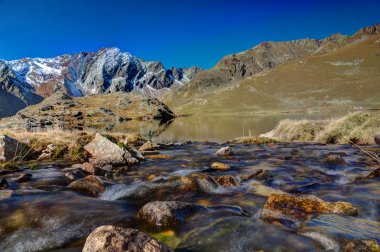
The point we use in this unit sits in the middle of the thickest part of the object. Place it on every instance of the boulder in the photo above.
(148, 146)
(377, 139)
(166, 213)
(90, 185)
(301, 206)
(334, 160)
(219, 166)
(225, 152)
(89, 168)
(10, 148)
(226, 181)
(111, 239)
(105, 151)
(25, 177)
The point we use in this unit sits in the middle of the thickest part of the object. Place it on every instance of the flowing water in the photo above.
(43, 215)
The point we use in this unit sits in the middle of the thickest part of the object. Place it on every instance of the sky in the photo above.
(179, 33)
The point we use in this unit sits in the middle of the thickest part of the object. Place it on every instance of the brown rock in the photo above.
(166, 213)
(301, 206)
(117, 239)
(89, 168)
(219, 166)
(364, 245)
(90, 185)
(334, 160)
(226, 181)
(148, 146)
(24, 177)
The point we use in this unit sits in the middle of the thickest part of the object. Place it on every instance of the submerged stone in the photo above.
(24, 177)
(5, 194)
(226, 181)
(334, 160)
(219, 166)
(90, 185)
(166, 213)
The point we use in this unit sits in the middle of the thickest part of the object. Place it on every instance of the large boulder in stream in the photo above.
(111, 239)
(301, 206)
(104, 151)
(90, 185)
(166, 213)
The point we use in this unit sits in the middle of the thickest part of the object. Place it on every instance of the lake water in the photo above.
(209, 128)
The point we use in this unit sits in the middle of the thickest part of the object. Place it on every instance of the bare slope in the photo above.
(343, 72)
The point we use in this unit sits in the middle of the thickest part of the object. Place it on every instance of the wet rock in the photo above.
(111, 239)
(260, 189)
(275, 216)
(148, 146)
(226, 181)
(90, 185)
(4, 184)
(219, 166)
(74, 174)
(260, 174)
(199, 182)
(225, 152)
(334, 160)
(77, 166)
(374, 174)
(301, 206)
(166, 213)
(345, 231)
(377, 139)
(24, 177)
(135, 153)
(5, 194)
(10, 148)
(363, 245)
(105, 151)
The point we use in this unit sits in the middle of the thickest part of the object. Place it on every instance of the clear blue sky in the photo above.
(176, 32)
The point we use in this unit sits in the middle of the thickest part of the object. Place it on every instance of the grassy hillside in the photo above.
(345, 78)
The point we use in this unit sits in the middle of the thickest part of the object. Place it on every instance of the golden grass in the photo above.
(357, 128)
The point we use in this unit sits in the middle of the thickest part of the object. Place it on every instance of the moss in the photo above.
(34, 165)
(253, 140)
(8, 166)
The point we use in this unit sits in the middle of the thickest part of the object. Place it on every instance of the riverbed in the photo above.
(44, 215)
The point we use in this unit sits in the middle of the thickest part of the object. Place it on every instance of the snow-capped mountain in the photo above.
(106, 71)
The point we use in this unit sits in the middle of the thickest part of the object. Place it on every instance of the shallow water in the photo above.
(44, 216)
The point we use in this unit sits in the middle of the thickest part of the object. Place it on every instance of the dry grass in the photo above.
(357, 128)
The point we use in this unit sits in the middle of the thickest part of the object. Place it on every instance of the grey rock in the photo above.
(166, 213)
(10, 148)
(225, 151)
(5, 194)
(112, 239)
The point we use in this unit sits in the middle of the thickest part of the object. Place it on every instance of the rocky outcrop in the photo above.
(166, 213)
(111, 239)
(90, 185)
(10, 149)
(64, 112)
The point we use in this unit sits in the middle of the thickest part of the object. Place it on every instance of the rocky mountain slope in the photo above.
(60, 111)
(281, 76)
(27, 81)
